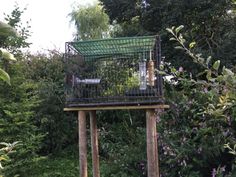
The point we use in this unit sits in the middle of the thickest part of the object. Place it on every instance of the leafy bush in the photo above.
(201, 118)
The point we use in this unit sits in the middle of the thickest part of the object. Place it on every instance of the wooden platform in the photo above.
(162, 106)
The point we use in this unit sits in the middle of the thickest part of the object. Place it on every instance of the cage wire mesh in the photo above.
(117, 71)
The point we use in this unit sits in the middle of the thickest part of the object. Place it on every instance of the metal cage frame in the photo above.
(93, 51)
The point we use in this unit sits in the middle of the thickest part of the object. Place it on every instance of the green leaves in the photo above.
(91, 22)
(4, 151)
(179, 47)
(6, 55)
(177, 30)
(192, 44)
(209, 106)
(208, 60)
(170, 30)
(4, 76)
(208, 76)
(8, 147)
(216, 65)
(7, 30)
(228, 72)
(232, 150)
(177, 36)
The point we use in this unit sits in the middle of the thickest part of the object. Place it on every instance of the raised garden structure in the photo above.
(120, 71)
(116, 73)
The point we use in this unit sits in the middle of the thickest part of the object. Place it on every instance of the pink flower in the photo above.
(213, 172)
(181, 69)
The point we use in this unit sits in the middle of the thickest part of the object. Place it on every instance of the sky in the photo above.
(49, 21)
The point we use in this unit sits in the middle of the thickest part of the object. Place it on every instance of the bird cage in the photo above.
(113, 72)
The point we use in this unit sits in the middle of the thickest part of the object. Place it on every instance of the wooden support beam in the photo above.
(82, 143)
(152, 152)
(89, 108)
(94, 143)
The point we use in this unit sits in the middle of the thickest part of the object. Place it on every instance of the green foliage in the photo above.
(128, 28)
(211, 25)
(4, 76)
(19, 100)
(19, 40)
(91, 22)
(47, 71)
(17, 113)
(5, 151)
(5, 55)
(201, 118)
(6, 30)
(12, 36)
(63, 164)
(122, 143)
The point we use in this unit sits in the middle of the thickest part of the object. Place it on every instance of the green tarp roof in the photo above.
(114, 46)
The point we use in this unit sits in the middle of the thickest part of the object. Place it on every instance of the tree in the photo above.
(6, 31)
(15, 43)
(91, 22)
(18, 101)
(47, 72)
(210, 24)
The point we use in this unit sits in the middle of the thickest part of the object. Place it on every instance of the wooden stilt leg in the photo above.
(82, 144)
(152, 154)
(94, 143)
(157, 117)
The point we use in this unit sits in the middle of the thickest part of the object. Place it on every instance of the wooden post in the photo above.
(152, 153)
(94, 143)
(82, 144)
